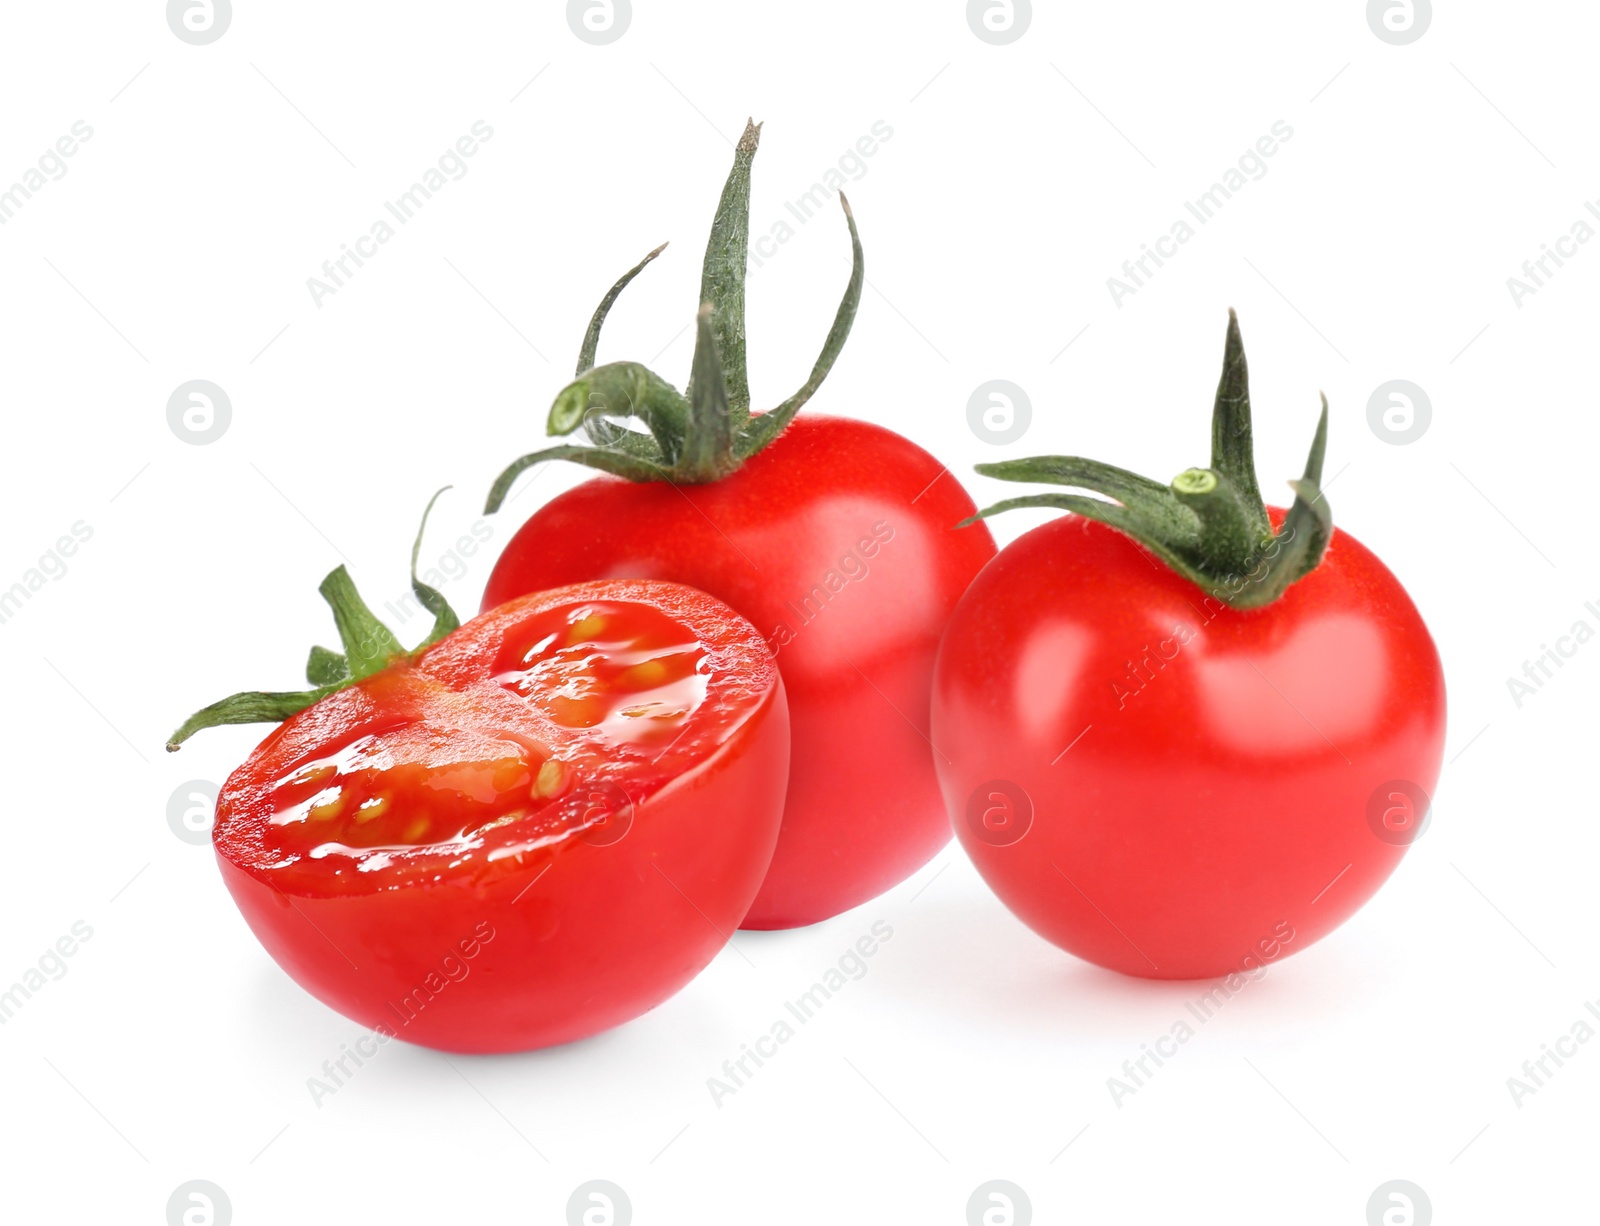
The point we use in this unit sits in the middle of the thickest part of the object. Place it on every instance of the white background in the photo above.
(1018, 178)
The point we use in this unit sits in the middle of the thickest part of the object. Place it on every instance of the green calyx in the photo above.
(1209, 524)
(707, 431)
(369, 647)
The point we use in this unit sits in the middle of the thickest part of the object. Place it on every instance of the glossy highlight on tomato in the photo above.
(540, 827)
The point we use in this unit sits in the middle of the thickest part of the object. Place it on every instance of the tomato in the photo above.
(834, 537)
(822, 542)
(538, 827)
(1167, 784)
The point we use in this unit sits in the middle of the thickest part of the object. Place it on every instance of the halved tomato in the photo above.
(538, 827)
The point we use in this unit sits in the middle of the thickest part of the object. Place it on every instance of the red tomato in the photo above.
(540, 827)
(836, 542)
(1170, 787)
(1183, 781)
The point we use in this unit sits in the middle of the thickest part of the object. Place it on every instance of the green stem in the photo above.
(1209, 524)
(763, 429)
(369, 647)
(591, 338)
(722, 278)
(708, 448)
(705, 433)
(1232, 443)
(616, 392)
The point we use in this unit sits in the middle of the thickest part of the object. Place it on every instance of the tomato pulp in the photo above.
(1171, 787)
(539, 828)
(837, 543)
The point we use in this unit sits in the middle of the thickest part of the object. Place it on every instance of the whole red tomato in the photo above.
(835, 538)
(536, 828)
(818, 542)
(1194, 741)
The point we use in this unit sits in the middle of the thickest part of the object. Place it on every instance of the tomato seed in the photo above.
(588, 628)
(552, 780)
(370, 810)
(328, 809)
(644, 676)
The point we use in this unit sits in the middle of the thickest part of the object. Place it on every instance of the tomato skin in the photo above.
(511, 956)
(838, 543)
(609, 934)
(1199, 777)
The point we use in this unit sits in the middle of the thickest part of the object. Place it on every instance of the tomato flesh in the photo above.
(626, 675)
(1170, 787)
(622, 744)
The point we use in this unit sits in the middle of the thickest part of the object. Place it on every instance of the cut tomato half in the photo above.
(539, 827)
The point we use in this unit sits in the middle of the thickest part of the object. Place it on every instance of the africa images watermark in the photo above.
(451, 166)
(1537, 1072)
(453, 967)
(1537, 271)
(851, 965)
(852, 567)
(52, 565)
(1146, 666)
(1137, 1073)
(450, 568)
(48, 967)
(51, 167)
(850, 166)
(336, 1073)
(1544, 666)
(1252, 165)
